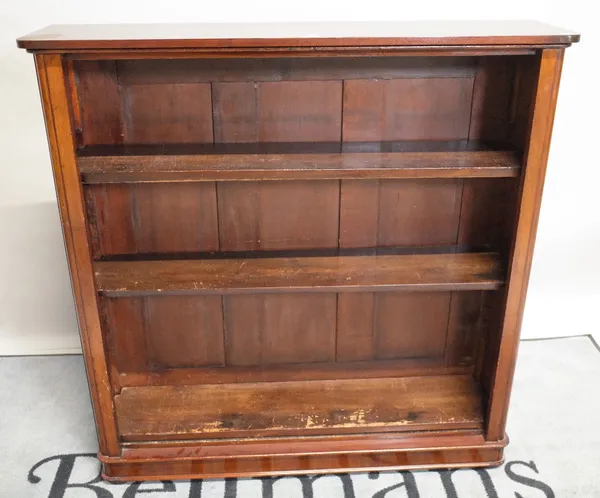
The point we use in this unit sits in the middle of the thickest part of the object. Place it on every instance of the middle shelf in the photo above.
(110, 166)
(417, 272)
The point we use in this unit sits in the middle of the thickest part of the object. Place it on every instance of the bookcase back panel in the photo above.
(153, 218)
(403, 213)
(176, 218)
(286, 106)
(295, 100)
(167, 113)
(424, 328)
(278, 215)
(407, 109)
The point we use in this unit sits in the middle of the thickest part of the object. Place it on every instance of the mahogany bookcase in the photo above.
(299, 248)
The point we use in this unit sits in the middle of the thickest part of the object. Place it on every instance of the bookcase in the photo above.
(299, 248)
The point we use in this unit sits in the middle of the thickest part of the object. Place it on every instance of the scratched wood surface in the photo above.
(467, 271)
(375, 405)
(247, 167)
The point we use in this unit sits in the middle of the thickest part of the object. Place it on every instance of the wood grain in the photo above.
(351, 273)
(410, 325)
(179, 113)
(276, 446)
(355, 326)
(487, 213)
(278, 216)
(169, 218)
(280, 328)
(287, 35)
(123, 326)
(222, 72)
(392, 325)
(235, 113)
(98, 102)
(536, 157)
(492, 98)
(183, 331)
(283, 372)
(152, 218)
(379, 405)
(244, 167)
(466, 328)
(312, 148)
(418, 212)
(524, 90)
(400, 213)
(336, 463)
(277, 111)
(299, 111)
(306, 52)
(407, 109)
(109, 212)
(52, 82)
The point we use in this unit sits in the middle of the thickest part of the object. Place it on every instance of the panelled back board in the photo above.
(299, 248)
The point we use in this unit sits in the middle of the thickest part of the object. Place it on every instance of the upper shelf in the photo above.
(426, 272)
(212, 167)
(294, 35)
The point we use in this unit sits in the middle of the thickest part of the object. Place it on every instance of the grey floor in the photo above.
(47, 439)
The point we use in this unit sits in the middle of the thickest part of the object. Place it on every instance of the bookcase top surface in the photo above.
(306, 34)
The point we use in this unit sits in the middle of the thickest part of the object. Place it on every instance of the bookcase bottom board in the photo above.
(285, 456)
(299, 408)
(346, 425)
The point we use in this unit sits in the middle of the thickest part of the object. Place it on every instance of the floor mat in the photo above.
(47, 439)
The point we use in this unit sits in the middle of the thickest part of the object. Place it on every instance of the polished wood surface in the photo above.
(532, 184)
(421, 33)
(240, 167)
(359, 273)
(341, 463)
(276, 456)
(299, 248)
(70, 202)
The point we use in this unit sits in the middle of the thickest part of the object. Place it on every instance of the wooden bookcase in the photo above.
(296, 252)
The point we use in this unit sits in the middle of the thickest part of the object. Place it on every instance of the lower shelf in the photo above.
(446, 402)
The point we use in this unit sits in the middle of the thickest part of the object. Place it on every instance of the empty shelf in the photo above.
(462, 271)
(302, 407)
(346, 165)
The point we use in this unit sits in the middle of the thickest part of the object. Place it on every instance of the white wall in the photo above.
(36, 310)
